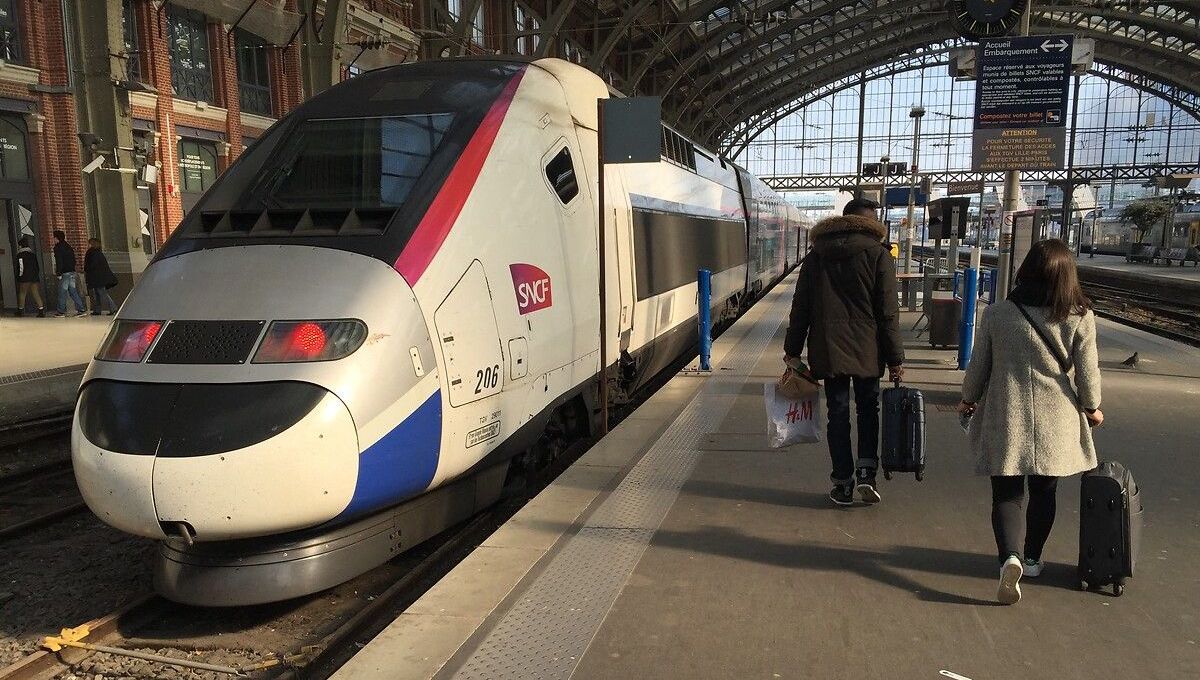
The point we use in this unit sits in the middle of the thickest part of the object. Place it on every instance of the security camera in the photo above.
(94, 165)
(89, 140)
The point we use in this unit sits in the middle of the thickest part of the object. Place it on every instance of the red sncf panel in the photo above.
(532, 286)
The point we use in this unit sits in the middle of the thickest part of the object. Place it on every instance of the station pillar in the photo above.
(106, 129)
(322, 58)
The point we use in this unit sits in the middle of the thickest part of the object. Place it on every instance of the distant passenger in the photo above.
(29, 277)
(68, 279)
(1029, 423)
(99, 277)
(845, 309)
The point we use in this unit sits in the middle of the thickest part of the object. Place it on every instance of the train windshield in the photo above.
(353, 168)
(363, 163)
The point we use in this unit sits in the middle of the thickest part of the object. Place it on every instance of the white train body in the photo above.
(446, 315)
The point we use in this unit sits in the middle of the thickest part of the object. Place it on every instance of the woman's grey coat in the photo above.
(1027, 421)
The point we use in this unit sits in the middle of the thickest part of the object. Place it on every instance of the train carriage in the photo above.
(380, 307)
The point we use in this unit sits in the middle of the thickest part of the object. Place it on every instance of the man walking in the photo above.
(845, 309)
(68, 280)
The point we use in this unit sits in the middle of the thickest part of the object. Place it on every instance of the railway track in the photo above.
(1171, 319)
(174, 634)
(36, 494)
(1176, 317)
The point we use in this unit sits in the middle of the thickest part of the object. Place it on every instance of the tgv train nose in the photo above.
(221, 461)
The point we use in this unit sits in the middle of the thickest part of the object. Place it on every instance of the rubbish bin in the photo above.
(945, 313)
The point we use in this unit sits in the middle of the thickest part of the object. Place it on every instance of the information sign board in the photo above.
(1021, 102)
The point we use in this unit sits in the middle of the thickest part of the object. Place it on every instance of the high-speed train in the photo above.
(387, 304)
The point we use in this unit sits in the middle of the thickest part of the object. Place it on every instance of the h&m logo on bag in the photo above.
(532, 286)
(800, 410)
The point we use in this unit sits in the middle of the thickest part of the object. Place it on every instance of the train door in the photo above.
(470, 341)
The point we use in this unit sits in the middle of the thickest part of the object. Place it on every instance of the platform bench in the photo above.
(1182, 255)
(1141, 252)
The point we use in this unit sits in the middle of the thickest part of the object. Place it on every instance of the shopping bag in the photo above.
(797, 384)
(791, 421)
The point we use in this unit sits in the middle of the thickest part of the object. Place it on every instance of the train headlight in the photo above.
(129, 341)
(291, 341)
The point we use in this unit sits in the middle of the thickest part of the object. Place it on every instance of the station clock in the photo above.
(986, 18)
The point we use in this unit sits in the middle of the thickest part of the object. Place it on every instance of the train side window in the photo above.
(561, 173)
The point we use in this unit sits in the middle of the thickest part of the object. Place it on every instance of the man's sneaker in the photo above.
(83, 313)
(41, 313)
(59, 315)
(866, 486)
(842, 494)
(1010, 578)
(1033, 568)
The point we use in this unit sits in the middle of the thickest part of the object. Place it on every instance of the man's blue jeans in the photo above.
(866, 404)
(68, 284)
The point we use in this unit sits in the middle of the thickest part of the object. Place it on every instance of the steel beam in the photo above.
(1080, 175)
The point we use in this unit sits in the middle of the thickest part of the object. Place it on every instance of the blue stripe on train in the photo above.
(402, 463)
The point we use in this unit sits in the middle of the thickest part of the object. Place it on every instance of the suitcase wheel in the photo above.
(1118, 589)
(887, 474)
(1083, 585)
(920, 475)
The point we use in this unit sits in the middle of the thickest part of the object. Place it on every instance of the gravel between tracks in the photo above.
(63, 575)
(18, 458)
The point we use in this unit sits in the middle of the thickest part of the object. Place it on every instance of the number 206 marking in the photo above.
(487, 378)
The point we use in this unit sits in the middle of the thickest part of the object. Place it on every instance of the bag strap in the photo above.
(1063, 363)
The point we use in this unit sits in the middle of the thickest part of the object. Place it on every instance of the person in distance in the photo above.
(68, 279)
(845, 310)
(99, 277)
(1029, 425)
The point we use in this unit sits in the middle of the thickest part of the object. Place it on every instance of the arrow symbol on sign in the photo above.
(1056, 46)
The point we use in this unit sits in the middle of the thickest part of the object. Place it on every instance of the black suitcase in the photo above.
(1110, 527)
(903, 446)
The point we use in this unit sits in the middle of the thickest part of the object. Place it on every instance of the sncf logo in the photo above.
(532, 286)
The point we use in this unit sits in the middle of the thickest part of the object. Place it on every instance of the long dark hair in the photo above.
(1049, 268)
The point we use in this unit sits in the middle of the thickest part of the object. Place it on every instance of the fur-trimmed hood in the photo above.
(844, 224)
(844, 236)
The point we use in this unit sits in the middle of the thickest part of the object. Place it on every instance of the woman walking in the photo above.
(99, 278)
(1031, 420)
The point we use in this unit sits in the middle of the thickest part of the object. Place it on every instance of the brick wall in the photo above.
(54, 151)
(55, 154)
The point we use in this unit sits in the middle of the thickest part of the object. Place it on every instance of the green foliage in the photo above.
(1145, 213)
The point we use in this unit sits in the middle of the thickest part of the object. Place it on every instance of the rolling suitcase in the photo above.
(903, 447)
(1110, 527)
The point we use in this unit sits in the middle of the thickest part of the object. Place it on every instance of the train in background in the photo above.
(385, 307)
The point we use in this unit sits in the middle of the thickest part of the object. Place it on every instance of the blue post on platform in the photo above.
(966, 328)
(704, 300)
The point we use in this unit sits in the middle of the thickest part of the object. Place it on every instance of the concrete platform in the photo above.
(682, 547)
(42, 362)
(1116, 263)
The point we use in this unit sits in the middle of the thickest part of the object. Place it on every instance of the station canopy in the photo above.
(726, 69)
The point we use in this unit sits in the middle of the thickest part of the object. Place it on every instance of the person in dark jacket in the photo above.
(99, 277)
(29, 277)
(68, 279)
(845, 310)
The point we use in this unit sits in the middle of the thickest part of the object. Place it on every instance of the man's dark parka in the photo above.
(845, 303)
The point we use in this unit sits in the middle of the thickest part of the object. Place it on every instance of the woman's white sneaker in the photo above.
(1010, 577)
(1032, 568)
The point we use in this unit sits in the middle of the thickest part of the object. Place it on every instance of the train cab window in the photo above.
(561, 173)
(365, 162)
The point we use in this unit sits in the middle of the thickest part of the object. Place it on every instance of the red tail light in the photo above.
(129, 341)
(291, 341)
